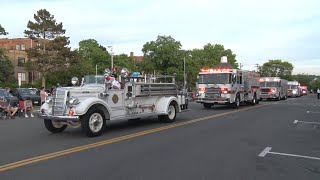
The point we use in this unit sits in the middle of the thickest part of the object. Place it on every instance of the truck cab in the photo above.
(225, 85)
(293, 89)
(273, 88)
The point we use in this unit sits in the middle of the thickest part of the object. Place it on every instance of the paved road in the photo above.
(218, 143)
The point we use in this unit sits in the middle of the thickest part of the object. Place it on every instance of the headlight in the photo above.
(73, 100)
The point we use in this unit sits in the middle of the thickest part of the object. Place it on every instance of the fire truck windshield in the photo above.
(221, 78)
(93, 79)
(269, 84)
(293, 87)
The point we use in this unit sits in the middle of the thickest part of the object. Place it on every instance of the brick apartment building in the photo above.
(16, 52)
(136, 58)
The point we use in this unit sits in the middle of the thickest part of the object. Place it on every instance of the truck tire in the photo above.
(236, 104)
(54, 127)
(171, 116)
(254, 100)
(93, 122)
(207, 106)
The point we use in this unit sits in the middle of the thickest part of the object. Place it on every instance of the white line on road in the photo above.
(306, 122)
(267, 151)
(308, 112)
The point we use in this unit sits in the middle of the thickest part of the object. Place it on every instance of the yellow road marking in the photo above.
(105, 142)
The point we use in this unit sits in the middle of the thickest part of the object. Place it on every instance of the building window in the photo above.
(21, 61)
(20, 47)
(23, 76)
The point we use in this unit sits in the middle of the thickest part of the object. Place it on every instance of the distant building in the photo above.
(16, 51)
(136, 58)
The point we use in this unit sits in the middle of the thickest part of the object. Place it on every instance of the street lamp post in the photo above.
(111, 56)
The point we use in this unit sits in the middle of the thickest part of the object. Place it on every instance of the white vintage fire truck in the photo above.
(273, 88)
(99, 99)
(225, 85)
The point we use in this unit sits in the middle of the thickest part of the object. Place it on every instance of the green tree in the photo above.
(303, 79)
(277, 68)
(314, 85)
(163, 56)
(3, 31)
(211, 55)
(6, 68)
(91, 54)
(123, 61)
(52, 51)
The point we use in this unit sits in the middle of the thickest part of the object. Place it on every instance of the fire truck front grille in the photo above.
(59, 102)
(265, 90)
(213, 91)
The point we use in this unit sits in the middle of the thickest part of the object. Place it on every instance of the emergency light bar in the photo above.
(222, 70)
(206, 70)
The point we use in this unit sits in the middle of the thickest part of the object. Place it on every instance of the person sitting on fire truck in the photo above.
(115, 84)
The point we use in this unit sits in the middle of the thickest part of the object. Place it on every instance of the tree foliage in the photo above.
(3, 31)
(211, 55)
(277, 68)
(6, 68)
(52, 51)
(91, 53)
(164, 55)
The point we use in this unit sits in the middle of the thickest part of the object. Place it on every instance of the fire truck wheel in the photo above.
(54, 127)
(254, 100)
(207, 106)
(171, 116)
(93, 122)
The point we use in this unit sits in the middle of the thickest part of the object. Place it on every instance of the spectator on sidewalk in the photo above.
(28, 107)
(6, 107)
(7, 93)
(318, 93)
(43, 95)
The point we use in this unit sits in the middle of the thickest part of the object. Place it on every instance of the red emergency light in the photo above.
(206, 70)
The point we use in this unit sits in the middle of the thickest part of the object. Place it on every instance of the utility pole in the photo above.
(184, 73)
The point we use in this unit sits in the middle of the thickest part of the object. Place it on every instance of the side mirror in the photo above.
(234, 79)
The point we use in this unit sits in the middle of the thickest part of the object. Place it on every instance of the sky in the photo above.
(255, 31)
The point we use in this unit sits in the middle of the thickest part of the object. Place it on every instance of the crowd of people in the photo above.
(10, 110)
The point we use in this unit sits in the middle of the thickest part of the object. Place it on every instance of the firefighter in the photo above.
(318, 93)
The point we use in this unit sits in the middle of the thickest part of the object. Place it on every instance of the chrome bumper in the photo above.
(60, 118)
(213, 100)
(268, 96)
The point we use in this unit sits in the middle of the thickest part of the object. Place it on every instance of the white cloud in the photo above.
(255, 30)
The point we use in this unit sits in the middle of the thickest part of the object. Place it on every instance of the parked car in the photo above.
(33, 93)
(14, 101)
